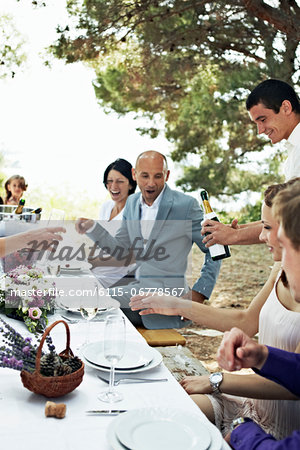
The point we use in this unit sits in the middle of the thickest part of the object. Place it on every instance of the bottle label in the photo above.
(215, 250)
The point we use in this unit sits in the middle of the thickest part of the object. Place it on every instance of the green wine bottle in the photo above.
(217, 251)
(20, 206)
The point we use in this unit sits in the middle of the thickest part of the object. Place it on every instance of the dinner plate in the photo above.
(216, 437)
(136, 355)
(106, 304)
(75, 266)
(157, 359)
(161, 428)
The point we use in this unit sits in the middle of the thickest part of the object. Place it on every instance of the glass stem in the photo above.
(111, 379)
(87, 335)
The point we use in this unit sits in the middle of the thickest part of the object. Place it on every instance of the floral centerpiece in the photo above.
(27, 295)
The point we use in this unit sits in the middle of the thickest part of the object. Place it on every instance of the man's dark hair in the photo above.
(271, 93)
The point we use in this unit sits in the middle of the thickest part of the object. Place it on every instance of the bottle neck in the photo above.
(207, 208)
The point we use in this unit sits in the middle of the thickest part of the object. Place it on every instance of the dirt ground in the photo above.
(241, 277)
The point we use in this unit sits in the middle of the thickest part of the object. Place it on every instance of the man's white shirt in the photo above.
(291, 166)
(148, 216)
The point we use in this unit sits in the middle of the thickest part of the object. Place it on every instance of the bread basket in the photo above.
(52, 386)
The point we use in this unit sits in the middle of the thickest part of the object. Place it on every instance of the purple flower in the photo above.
(26, 349)
(16, 352)
(19, 364)
(34, 313)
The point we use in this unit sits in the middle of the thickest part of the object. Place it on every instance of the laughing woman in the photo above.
(118, 181)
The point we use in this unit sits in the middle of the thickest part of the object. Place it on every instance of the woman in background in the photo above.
(14, 187)
(118, 181)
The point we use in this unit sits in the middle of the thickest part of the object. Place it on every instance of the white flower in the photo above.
(23, 278)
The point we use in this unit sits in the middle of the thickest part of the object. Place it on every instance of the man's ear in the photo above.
(286, 107)
(167, 176)
(133, 174)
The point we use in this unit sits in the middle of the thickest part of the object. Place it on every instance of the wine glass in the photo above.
(56, 219)
(57, 216)
(114, 349)
(89, 305)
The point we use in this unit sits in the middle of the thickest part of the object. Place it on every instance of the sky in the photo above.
(52, 131)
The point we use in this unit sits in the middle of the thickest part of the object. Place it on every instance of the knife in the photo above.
(106, 412)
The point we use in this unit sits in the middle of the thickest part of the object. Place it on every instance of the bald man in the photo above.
(159, 227)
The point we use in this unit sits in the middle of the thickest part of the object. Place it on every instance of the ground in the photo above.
(241, 277)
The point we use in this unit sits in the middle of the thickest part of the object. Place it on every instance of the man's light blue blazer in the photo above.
(177, 227)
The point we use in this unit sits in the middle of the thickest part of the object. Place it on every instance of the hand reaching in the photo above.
(82, 225)
(155, 304)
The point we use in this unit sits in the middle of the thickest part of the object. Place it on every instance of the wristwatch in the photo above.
(236, 422)
(215, 380)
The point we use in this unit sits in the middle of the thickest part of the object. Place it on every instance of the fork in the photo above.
(133, 380)
(70, 320)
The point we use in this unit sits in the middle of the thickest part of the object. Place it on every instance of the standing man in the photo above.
(159, 227)
(237, 350)
(274, 106)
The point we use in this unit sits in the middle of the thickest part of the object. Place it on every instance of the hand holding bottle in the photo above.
(217, 251)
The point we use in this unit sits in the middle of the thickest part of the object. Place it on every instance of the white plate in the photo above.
(216, 437)
(161, 428)
(75, 266)
(136, 355)
(157, 359)
(106, 304)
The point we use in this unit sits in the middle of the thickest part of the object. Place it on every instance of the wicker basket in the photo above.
(52, 386)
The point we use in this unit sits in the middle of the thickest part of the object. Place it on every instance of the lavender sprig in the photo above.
(18, 352)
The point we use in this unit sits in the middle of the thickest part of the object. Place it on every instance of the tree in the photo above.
(188, 65)
(12, 55)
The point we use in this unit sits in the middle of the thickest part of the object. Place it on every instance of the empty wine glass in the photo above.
(53, 269)
(89, 304)
(114, 349)
(56, 219)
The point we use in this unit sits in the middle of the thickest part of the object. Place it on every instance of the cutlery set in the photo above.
(106, 412)
(134, 380)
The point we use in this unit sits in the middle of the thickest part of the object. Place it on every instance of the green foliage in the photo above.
(188, 66)
(250, 213)
(75, 204)
(12, 55)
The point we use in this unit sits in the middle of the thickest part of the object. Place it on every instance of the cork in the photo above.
(53, 409)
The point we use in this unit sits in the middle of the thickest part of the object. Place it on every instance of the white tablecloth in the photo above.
(23, 424)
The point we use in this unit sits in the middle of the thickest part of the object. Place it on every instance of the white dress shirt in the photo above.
(291, 166)
(148, 216)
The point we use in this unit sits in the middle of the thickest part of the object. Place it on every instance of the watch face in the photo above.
(216, 377)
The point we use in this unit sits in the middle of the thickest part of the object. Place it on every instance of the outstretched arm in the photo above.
(19, 241)
(216, 318)
(231, 235)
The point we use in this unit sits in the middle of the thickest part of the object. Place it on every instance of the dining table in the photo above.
(24, 425)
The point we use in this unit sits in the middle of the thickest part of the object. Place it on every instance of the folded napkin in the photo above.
(157, 338)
